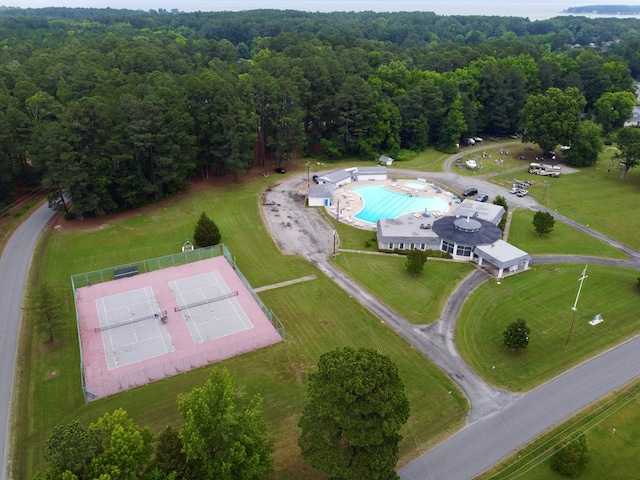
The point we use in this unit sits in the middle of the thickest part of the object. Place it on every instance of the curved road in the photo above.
(14, 267)
(499, 422)
(508, 420)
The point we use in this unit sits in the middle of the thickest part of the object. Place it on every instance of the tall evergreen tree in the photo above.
(206, 232)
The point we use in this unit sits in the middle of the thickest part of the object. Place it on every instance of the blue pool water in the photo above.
(382, 203)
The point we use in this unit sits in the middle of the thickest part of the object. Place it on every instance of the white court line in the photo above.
(156, 327)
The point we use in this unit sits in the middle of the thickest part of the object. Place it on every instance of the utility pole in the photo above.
(575, 304)
(308, 164)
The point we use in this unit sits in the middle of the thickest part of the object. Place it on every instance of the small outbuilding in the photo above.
(384, 160)
(320, 195)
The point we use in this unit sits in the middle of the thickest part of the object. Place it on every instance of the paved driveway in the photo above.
(499, 422)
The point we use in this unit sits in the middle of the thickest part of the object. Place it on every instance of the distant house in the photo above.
(384, 160)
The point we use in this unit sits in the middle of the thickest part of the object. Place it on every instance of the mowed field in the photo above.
(317, 314)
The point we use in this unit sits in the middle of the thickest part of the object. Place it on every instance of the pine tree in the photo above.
(206, 232)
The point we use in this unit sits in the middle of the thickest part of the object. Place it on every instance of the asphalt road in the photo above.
(14, 267)
(499, 422)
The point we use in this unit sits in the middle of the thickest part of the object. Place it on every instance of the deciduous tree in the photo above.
(224, 436)
(415, 261)
(629, 149)
(516, 336)
(573, 457)
(355, 408)
(586, 145)
(551, 118)
(543, 222)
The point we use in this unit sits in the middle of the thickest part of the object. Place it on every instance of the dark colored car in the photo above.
(470, 192)
(482, 197)
(280, 170)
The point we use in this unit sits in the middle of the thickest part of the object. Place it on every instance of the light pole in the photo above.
(575, 304)
(334, 243)
(544, 195)
(308, 164)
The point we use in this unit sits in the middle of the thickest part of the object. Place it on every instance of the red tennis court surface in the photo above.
(151, 326)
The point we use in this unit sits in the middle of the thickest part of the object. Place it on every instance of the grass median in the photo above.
(544, 297)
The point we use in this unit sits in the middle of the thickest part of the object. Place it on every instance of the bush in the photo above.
(572, 458)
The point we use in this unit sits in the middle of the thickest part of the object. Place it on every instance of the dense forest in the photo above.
(116, 108)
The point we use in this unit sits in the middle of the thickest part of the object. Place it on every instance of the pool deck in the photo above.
(350, 203)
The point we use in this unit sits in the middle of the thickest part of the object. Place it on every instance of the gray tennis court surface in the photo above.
(132, 327)
(209, 307)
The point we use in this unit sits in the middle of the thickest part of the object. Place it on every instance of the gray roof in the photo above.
(501, 254)
(466, 230)
(376, 170)
(404, 230)
(485, 211)
(337, 176)
(323, 190)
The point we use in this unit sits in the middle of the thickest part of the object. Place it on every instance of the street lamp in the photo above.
(308, 165)
(544, 195)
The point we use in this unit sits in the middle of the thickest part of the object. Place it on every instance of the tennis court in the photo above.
(133, 327)
(209, 307)
(149, 326)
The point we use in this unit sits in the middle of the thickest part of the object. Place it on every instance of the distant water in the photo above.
(532, 9)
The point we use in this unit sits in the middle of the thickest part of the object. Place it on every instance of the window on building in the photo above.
(464, 250)
(447, 246)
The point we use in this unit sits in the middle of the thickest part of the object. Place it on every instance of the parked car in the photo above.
(280, 170)
(482, 197)
(470, 192)
(514, 189)
(521, 192)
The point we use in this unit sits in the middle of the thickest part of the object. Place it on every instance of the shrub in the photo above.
(572, 458)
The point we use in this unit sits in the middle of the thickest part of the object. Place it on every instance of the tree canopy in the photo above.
(629, 149)
(224, 436)
(112, 109)
(355, 408)
(543, 222)
(516, 336)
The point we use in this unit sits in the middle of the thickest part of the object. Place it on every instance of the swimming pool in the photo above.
(382, 203)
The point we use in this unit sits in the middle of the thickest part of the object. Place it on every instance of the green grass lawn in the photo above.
(563, 240)
(611, 455)
(593, 196)
(418, 299)
(544, 297)
(317, 314)
(496, 161)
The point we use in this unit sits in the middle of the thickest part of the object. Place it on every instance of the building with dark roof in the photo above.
(468, 232)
